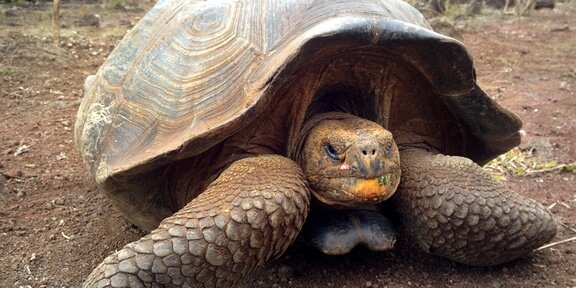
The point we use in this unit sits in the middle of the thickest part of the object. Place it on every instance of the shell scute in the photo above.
(193, 73)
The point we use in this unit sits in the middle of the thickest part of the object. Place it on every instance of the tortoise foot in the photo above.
(338, 233)
(246, 217)
(452, 208)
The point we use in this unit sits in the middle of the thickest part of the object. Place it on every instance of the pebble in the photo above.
(57, 104)
(89, 20)
(21, 150)
(11, 12)
(285, 273)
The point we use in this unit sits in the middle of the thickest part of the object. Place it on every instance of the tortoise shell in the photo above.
(192, 74)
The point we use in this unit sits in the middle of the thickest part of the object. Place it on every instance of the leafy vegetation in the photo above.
(115, 4)
(15, 2)
(5, 70)
(523, 163)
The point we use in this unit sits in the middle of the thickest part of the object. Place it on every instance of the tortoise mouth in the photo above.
(354, 192)
(375, 189)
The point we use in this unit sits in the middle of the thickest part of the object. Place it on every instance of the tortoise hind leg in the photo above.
(250, 214)
(454, 209)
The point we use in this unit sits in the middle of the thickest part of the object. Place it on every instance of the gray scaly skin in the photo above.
(240, 222)
(452, 208)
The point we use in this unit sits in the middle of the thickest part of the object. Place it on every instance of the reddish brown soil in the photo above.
(55, 226)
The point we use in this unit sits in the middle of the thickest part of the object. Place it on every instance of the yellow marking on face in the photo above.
(370, 189)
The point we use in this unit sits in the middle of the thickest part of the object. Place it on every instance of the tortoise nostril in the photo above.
(369, 152)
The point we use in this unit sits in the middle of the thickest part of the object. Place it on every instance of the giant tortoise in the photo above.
(221, 126)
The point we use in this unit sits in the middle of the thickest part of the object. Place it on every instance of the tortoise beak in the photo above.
(373, 176)
(366, 160)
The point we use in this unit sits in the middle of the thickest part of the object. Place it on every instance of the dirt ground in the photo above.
(55, 227)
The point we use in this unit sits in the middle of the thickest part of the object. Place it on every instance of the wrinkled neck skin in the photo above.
(349, 162)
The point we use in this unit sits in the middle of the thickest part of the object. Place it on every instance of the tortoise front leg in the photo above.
(454, 209)
(249, 215)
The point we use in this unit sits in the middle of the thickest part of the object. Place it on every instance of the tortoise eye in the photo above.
(331, 152)
(389, 151)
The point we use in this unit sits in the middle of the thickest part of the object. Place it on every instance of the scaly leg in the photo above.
(452, 208)
(249, 215)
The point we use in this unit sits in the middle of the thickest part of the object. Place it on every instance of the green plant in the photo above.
(115, 4)
(15, 2)
(383, 180)
(5, 70)
(523, 163)
(455, 12)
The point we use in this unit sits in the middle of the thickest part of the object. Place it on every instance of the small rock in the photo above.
(565, 86)
(57, 201)
(560, 28)
(496, 284)
(20, 194)
(285, 273)
(368, 284)
(21, 150)
(57, 104)
(11, 12)
(61, 156)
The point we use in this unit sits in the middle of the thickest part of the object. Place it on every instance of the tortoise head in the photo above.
(348, 161)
